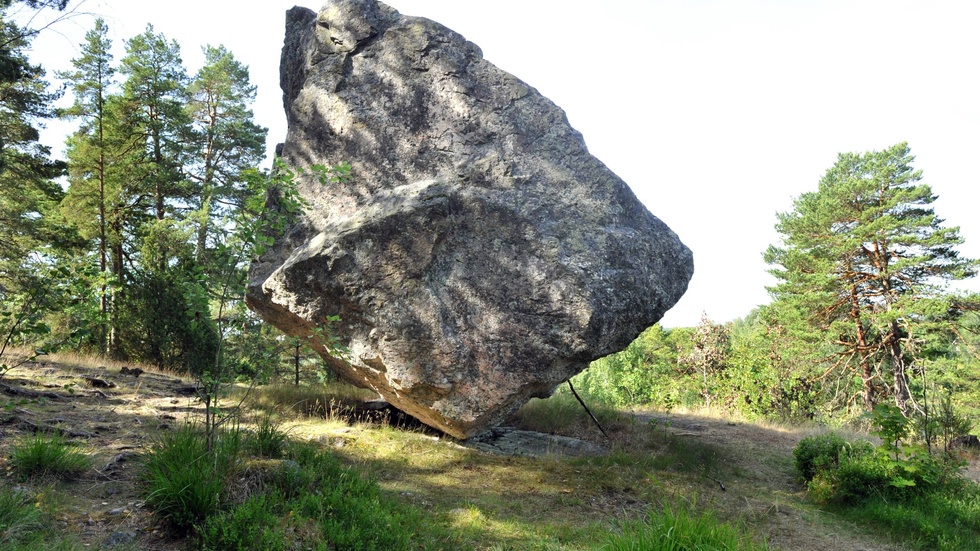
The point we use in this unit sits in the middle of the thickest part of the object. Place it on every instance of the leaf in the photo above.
(900, 482)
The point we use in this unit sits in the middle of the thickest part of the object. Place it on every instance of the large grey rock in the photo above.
(480, 256)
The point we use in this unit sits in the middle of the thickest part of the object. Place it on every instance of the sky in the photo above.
(717, 113)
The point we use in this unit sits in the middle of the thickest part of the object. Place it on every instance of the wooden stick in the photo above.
(587, 410)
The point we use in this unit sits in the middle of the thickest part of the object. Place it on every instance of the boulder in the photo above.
(479, 256)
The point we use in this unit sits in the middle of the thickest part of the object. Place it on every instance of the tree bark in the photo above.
(900, 385)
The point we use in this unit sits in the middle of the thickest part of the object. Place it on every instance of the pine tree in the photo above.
(92, 156)
(864, 267)
(29, 194)
(224, 142)
(153, 101)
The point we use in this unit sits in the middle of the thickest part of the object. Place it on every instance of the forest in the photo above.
(135, 246)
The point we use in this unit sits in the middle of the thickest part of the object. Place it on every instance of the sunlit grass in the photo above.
(563, 414)
(681, 528)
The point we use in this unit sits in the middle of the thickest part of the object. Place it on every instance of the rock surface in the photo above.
(480, 256)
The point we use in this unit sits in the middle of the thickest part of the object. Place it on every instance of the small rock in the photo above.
(134, 371)
(119, 538)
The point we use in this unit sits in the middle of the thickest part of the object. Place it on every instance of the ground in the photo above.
(743, 470)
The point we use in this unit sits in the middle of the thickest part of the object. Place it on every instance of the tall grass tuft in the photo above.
(268, 439)
(681, 529)
(19, 517)
(184, 483)
(43, 456)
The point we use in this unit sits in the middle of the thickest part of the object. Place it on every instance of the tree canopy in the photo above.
(863, 269)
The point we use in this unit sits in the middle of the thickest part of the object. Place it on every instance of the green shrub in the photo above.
(847, 473)
(817, 453)
(48, 456)
(681, 529)
(858, 476)
(252, 525)
(182, 481)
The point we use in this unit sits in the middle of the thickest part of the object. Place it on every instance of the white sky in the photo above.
(716, 112)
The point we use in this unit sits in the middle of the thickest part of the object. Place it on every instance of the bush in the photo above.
(820, 453)
(48, 456)
(846, 473)
(858, 476)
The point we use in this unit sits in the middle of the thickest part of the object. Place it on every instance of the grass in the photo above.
(320, 400)
(228, 500)
(25, 527)
(48, 456)
(267, 439)
(18, 516)
(941, 521)
(681, 528)
(182, 482)
(562, 413)
(300, 462)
